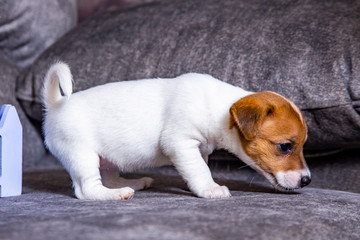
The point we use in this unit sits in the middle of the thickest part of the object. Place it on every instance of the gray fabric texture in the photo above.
(48, 210)
(27, 28)
(306, 50)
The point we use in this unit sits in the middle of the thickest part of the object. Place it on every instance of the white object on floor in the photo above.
(10, 152)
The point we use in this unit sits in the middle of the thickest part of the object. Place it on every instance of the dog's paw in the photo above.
(147, 182)
(216, 192)
(125, 193)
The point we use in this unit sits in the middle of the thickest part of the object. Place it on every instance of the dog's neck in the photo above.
(223, 136)
(230, 140)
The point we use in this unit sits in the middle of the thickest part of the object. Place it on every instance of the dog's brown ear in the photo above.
(248, 114)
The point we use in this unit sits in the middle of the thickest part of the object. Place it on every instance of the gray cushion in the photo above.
(306, 50)
(27, 28)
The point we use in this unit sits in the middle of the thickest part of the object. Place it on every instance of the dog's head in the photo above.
(273, 131)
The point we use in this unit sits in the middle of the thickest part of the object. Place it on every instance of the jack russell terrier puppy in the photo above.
(180, 121)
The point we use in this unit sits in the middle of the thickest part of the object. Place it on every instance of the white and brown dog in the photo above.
(179, 121)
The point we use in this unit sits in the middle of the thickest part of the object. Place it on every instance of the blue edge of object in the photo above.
(10, 152)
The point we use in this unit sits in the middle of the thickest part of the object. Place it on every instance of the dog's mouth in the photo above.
(281, 188)
(274, 182)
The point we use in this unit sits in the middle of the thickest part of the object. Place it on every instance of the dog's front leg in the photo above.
(194, 170)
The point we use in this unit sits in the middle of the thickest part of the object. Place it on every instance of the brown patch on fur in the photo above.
(264, 121)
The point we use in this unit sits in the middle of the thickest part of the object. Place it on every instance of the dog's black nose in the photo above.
(305, 181)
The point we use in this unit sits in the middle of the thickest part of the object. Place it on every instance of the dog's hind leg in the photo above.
(111, 179)
(83, 168)
(120, 182)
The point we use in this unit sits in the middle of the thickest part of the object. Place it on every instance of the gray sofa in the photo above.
(306, 50)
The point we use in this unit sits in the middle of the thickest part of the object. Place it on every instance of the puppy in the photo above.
(179, 121)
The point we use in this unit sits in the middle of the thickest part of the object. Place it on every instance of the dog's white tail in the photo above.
(58, 76)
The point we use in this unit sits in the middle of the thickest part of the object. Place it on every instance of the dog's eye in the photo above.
(285, 147)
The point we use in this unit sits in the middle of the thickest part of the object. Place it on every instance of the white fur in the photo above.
(139, 124)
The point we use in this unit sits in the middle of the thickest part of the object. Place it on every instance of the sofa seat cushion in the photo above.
(47, 210)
